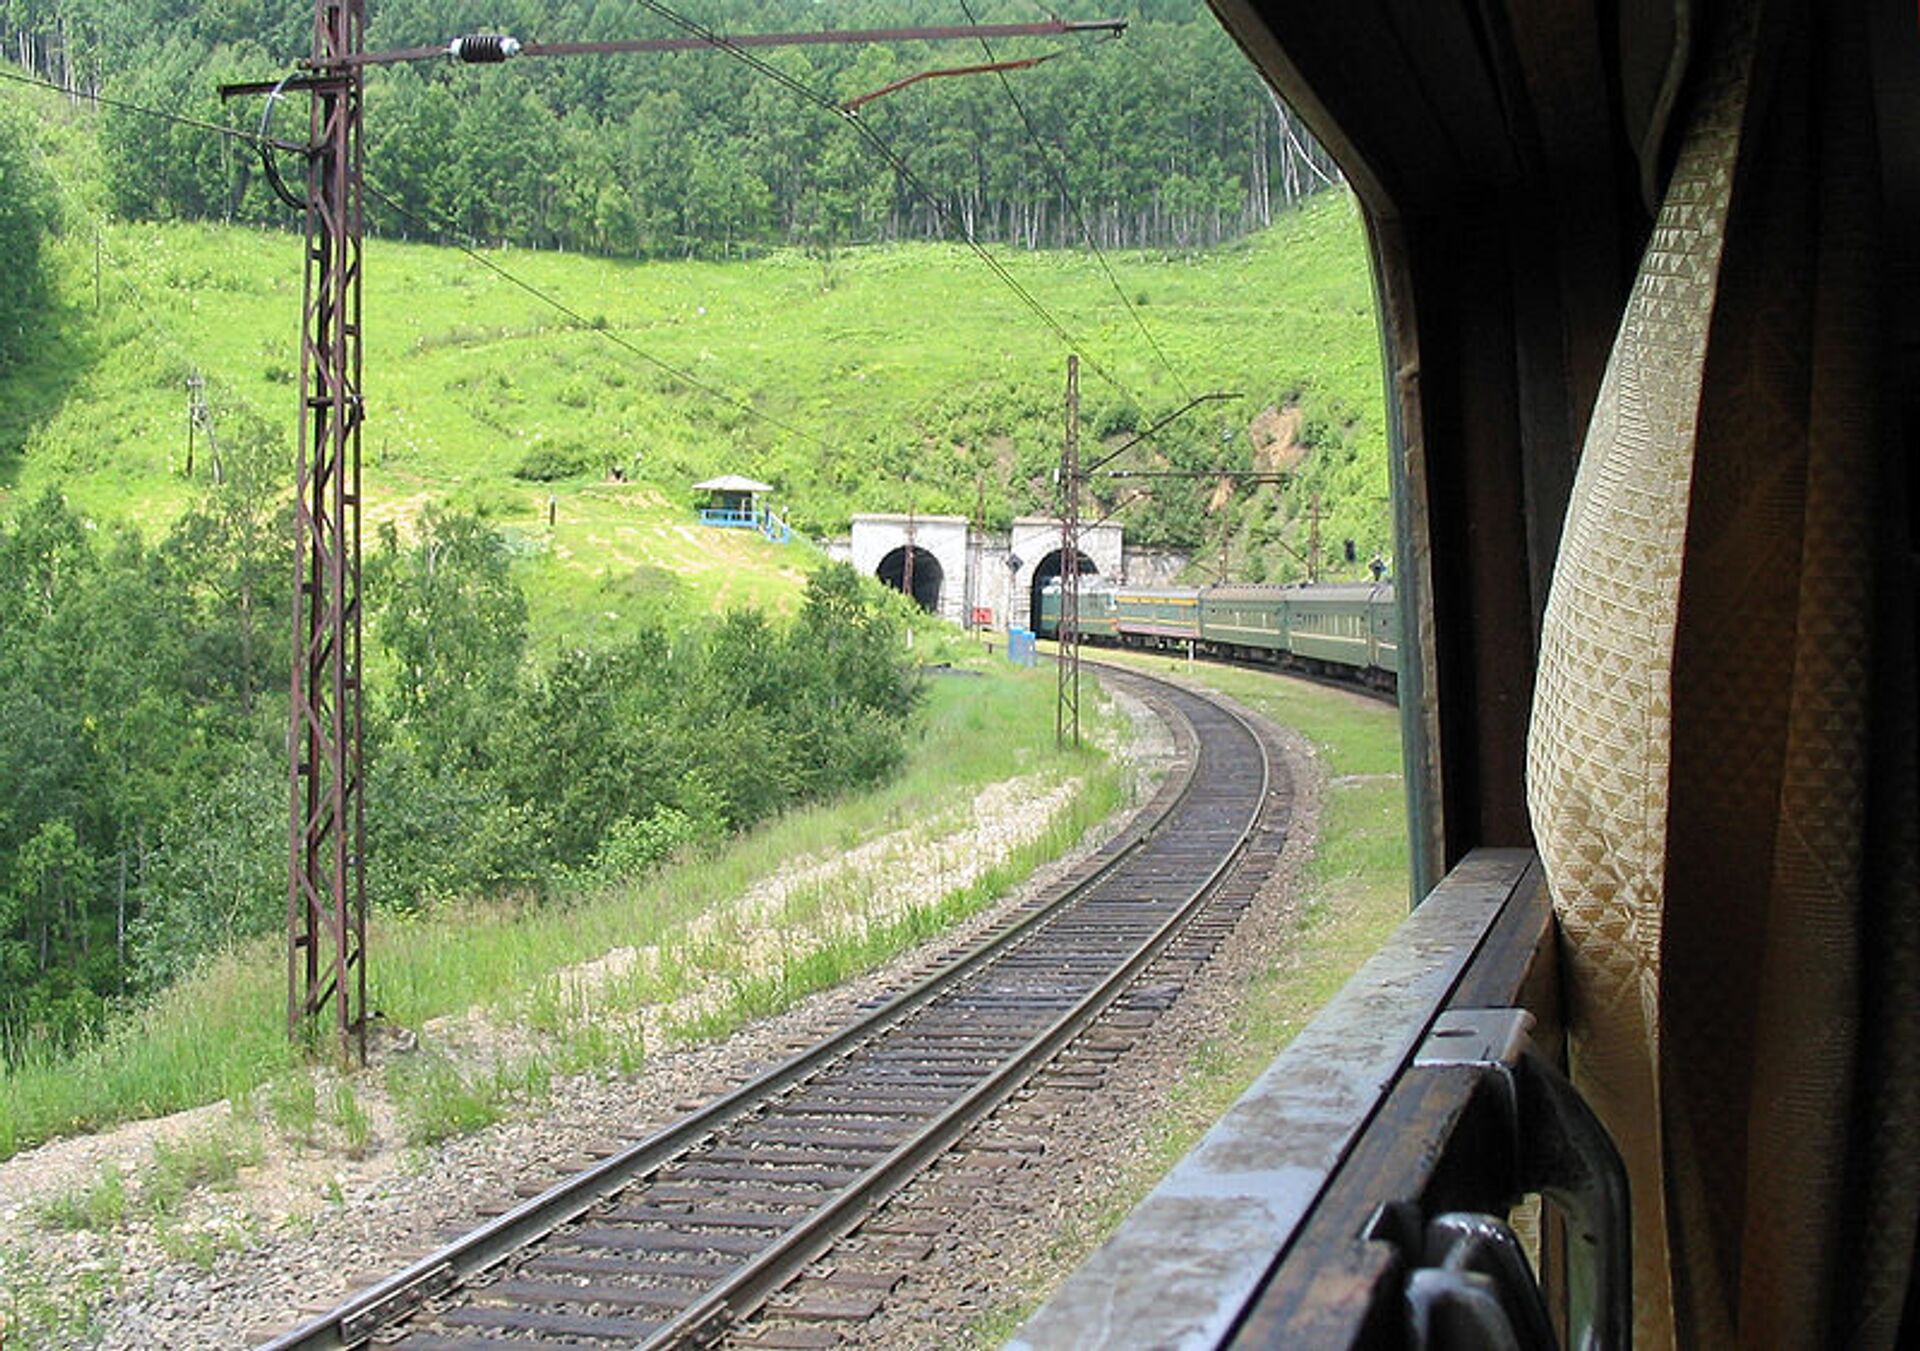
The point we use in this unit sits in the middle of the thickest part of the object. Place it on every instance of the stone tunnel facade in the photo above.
(980, 578)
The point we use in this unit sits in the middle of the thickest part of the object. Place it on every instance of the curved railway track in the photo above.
(676, 1239)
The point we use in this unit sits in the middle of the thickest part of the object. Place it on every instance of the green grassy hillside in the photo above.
(900, 376)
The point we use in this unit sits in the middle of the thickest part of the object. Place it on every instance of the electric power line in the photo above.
(900, 167)
(1073, 204)
(181, 119)
(892, 157)
(253, 139)
(548, 298)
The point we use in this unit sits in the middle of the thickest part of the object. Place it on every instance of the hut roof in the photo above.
(733, 483)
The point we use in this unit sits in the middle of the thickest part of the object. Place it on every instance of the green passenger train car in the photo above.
(1333, 627)
(1154, 616)
(1245, 621)
(1349, 630)
(1385, 618)
(1097, 617)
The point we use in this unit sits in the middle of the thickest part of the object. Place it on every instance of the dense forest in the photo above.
(143, 781)
(1136, 142)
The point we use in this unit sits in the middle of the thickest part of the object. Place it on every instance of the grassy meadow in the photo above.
(899, 377)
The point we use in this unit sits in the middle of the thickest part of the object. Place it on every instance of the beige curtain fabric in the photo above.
(1715, 776)
(1599, 755)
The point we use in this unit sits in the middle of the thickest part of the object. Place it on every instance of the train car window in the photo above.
(1648, 284)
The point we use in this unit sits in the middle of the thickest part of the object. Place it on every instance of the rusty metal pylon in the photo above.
(326, 893)
(1066, 718)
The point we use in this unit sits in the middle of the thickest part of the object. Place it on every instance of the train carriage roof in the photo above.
(1330, 591)
(1153, 593)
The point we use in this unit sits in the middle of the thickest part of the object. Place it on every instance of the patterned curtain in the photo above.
(1721, 768)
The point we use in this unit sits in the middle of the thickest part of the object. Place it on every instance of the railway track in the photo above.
(676, 1239)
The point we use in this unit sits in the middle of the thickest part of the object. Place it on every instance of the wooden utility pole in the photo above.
(1066, 721)
(976, 531)
(906, 564)
(194, 385)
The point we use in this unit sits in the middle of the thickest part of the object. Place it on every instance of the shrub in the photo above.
(550, 464)
(632, 847)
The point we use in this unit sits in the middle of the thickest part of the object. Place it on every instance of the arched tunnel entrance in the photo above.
(927, 577)
(1045, 571)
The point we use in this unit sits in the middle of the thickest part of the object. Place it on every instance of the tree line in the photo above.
(143, 705)
(1163, 139)
(26, 214)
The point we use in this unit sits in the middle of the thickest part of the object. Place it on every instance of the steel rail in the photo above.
(355, 1319)
(764, 1275)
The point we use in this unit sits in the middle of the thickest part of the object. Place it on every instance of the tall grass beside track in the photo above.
(220, 1033)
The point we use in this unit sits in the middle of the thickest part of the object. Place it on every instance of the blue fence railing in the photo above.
(766, 522)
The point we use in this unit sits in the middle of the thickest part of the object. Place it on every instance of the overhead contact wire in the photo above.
(893, 159)
(1073, 204)
(900, 167)
(122, 105)
(772, 72)
(548, 298)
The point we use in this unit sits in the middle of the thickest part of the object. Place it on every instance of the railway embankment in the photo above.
(220, 1268)
(195, 1228)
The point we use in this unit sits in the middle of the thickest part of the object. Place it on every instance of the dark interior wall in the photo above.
(1498, 156)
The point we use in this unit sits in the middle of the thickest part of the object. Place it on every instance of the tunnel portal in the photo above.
(926, 575)
(1046, 570)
